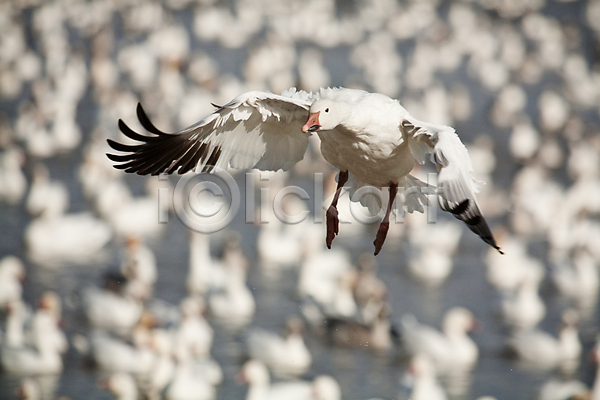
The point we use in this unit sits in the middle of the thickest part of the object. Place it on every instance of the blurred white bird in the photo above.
(12, 275)
(538, 349)
(286, 356)
(366, 134)
(122, 385)
(13, 183)
(422, 379)
(451, 349)
(523, 308)
(256, 375)
(44, 191)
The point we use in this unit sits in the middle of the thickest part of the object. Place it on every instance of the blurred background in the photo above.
(99, 299)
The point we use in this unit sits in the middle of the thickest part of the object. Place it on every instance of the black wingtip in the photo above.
(130, 133)
(145, 121)
(119, 158)
(122, 147)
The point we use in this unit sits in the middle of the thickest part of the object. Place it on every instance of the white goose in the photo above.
(506, 273)
(256, 375)
(321, 271)
(577, 279)
(450, 350)
(12, 273)
(540, 350)
(121, 385)
(17, 315)
(44, 191)
(13, 183)
(139, 264)
(44, 358)
(421, 377)
(45, 324)
(111, 310)
(189, 383)
(286, 356)
(193, 336)
(56, 237)
(235, 304)
(368, 135)
(205, 272)
(524, 308)
(113, 354)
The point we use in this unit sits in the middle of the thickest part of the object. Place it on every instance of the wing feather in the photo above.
(256, 129)
(456, 186)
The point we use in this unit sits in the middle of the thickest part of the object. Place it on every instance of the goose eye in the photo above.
(327, 110)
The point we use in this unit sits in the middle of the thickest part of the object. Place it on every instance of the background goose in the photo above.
(13, 183)
(43, 358)
(422, 380)
(256, 375)
(12, 273)
(451, 349)
(234, 304)
(188, 384)
(123, 386)
(524, 308)
(507, 273)
(44, 191)
(55, 237)
(577, 278)
(205, 272)
(113, 354)
(110, 307)
(538, 349)
(193, 336)
(46, 323)
(285, 356)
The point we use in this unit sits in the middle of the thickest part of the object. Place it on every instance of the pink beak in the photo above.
(312, 125)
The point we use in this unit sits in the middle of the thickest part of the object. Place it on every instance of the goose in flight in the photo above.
(368, 135)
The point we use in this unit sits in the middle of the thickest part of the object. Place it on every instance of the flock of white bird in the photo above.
(179, 56)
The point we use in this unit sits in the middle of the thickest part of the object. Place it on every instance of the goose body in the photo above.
(187, 384)
(256, 375)
(286, 356)
(424, 383)
(368, 135)
(538, 349)
(524, 308)
(116, 355)
(16, 357)
(12, 273)
(450, 349)
(205, 273)
(112, 311)
(13, 183)
(73, 237)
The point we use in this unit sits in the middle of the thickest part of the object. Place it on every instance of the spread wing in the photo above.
(255, 130)
(457, 187)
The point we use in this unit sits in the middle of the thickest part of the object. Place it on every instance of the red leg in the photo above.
(333, 223)
(385, 223)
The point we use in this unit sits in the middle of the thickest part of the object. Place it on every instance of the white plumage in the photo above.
(286, 356)
(451, 349)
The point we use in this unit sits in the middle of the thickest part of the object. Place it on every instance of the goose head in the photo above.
(459, 320)
(325, 115)
(325, 387)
